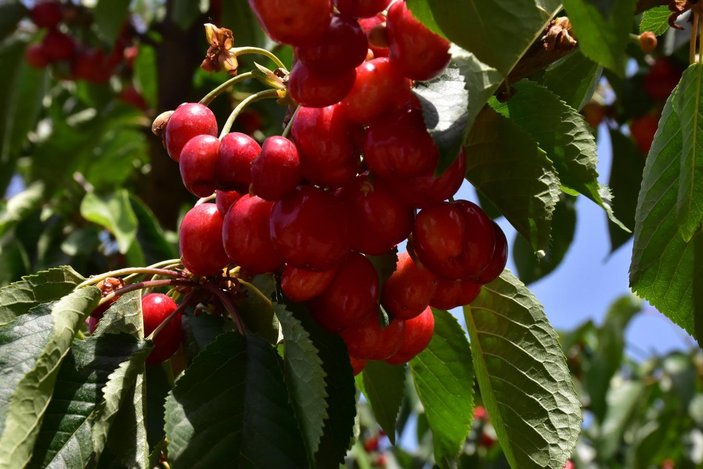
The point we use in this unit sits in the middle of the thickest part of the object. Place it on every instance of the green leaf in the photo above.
(508, 168)
(230, 407)
(150, 236)
(239, 17)
(44, 286)
(185, 12)
(602, 29)
(20, 206)
(384, 387)
(444, 377)
(110, 16)
(202, 330)
(22, 406)
(257, 312)
(10, 15)
(688, 106)
(146, 78)
(305, 377)
(574, 78)
(623, 401)
(523, 376)
(114, 213)
(655, 20)
(422, 11)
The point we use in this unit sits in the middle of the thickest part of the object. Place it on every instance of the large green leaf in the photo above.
(384, 387)
(150, 235)
(508, 168)
(185, 12)
(602, 29)
(114, 213)
(522, 373)
(655, 20)
(20, 206)
(256, 311)
(623, 400)
(444, 378)
(231, 408)
(110, 16)
(10, 15)
(574, 78)
(40, 353)
(146, 78)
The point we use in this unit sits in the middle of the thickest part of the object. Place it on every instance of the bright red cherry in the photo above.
(200, 240)
(498, 259)
(325, 141)
(642, 130)
(237, 151)
(276, 171)
(361, 8)
(46, 14)
(187, 121)
(246, 236)
(58, 46)
(225, 199)
(317, 89)
(344, 45)
(398, 145)
(376, 34)
(302, 284)
(35, 56)
(156, 307)
(370, 340)
(419, 53)
(351, 296)
(662, 78)
(310, 228)
(408, 290)
(197, 164)
(295, 22)
(357, 364)
(452, 293)
(416, 336)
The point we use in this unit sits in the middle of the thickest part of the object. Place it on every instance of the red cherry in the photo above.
(197, 164)
(380, 220)
(225, 199)
(246, 236)
(498, 259)
(351, 296)
(237, 151)
(416, 336)
(376, 34)
(200, 240)
(129, 54)
(58, 46)
(315, 89)
(302, 284)
(325, 141)
(342, 46)
(131, 96)
(295, 22)
(46, 14)
(310, 228)
(249, 121)
(419, 53)
(378, 89)
(92, 66)
(480, 413)
(452, 293)
(662, 78)
(357, 364)
(399, 145)
(276, 171)
(187, 121)
(361, 8)
(35, 56)
(156, 307)
(408, 290)
(372, 341)
(643, 129)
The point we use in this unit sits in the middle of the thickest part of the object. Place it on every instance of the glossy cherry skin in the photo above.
(58, 46)
(343, 45)
(198, 163)
(370, 340)
(325, 141)
(452, 293)
(376, 34)
(310, 228)
(380, 220)
(361, 8)
(408, 290)
(351, 296)
(200, 240)
(498, 259)
(661, 79)
(316, 89)
(419, 53)
(225, 199)
(35, 56)
(187, 121)
(156, 307)
(246, 236)
(357, 365)
(237, 152)
(303, 284)
(378, 89)
(415, 338)
(46, 14)
(295, 22)
(276, 171)
(454, 240)
(398, 145)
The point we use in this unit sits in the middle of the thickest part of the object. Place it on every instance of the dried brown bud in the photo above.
(220, 55)
(159, 125)
(109, 285)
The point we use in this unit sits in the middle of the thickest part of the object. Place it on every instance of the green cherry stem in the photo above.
(266, 94)
(172, 282)
(227, 303)
(208, 98)
(131, 271)
(286, 131)
(258, 51)
(256, 291)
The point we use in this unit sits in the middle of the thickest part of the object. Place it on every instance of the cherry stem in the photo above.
(164, 323)
(289, 125)
(210, 97)
(256, 291)
(227, 303)
(203, 200)
(147, 284)
(132, 271)
(266, 94)
(259, 51)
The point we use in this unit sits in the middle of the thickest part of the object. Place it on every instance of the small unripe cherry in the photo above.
(187, 121)
(409, 289)
(371, 340)
(415, 338)
(156, 307)
(315, 89)
(276, 171)
(237, 152)
(648, 42)
(200, 240)
(302, 284)
(197, 164)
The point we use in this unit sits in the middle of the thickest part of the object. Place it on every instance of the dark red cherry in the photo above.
(316, 89)
(452, 293)
(370, 340)
(58, 46)
(225, 199)
(295, 22)
(35, 56)
(237, 151)
(498, 259)
(343, 46)
(187, 121)
(46, 14)
(303, 284)
(357, 364)
(92, 66)
(198, 163)
(408, 290)
(200, 240)
(416, 336)
(361, 8)
(376, 34)
(156, 307)
(276, 171)
(661, 78)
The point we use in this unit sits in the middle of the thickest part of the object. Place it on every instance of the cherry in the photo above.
(200, 240)
(316, 89)
(370, 340)
(357, 364)
(310, 228)
(237, 151)
(246, 236)
(325, 141)
(92, 66)
(399, 146)
(662, 78)
(648, 42)
(46, 14)
(594, 113)
(380, 221)
(415, 338)
(408, 290)
(58, 46)
(351, 296)
(187, 121)
(643, 129)
(198, 164)
(276, 171)
(378, 88)
(302, 284)
(156, 307)
(452, 293)
(419, 53)
(454, 240)
(35, 56)
(376, 34)
(361, 8)
(131, 96)
(498, 259)
(295, 22)
(343, 45)
(225, 199)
